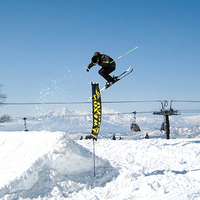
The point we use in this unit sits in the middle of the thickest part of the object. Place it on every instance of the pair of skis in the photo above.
(120, 77)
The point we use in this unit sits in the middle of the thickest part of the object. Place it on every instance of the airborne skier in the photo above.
(108, 65)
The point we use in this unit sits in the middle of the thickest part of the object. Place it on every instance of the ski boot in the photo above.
(108, 84)
(115, 79)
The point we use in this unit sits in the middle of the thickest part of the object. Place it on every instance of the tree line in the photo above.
(3, 118)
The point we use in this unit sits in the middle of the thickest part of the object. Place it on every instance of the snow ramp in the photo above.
(47, 164)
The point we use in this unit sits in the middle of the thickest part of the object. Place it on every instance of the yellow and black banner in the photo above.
(96, 103)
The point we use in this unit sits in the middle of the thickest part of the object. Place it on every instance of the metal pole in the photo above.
(94, 157)
(167, 127)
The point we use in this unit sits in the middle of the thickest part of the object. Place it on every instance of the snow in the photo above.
(50, 165)
(151, 169)
(45, 164)
(50, 162)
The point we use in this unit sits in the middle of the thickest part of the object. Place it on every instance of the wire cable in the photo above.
(74, 102)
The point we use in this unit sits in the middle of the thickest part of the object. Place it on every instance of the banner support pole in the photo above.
(94, 157)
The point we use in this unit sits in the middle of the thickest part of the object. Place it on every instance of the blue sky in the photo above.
(45, 46)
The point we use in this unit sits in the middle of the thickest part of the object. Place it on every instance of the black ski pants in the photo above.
(105, 71)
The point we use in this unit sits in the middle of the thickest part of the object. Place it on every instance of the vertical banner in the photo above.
(96, 103)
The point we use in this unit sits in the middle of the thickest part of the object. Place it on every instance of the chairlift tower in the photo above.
(25, 125)
(166, 112)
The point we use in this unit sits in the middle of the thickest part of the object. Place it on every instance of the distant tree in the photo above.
(2, 96)
(3, 118)
(88, 137)
(146, 136)
(113, 138)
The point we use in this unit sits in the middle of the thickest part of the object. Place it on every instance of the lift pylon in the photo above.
(166, 112)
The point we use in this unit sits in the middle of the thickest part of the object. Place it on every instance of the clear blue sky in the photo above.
(45, 45)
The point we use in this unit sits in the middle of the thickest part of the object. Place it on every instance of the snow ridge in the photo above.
(59, 166)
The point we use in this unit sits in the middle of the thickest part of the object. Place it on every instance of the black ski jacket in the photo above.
(103, 60)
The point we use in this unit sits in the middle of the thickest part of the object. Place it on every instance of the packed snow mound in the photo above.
(47, 164)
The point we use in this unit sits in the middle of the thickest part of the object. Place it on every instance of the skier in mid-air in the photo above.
(107, 64)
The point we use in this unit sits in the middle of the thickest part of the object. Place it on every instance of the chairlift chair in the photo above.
(162, 128)
(134, 126)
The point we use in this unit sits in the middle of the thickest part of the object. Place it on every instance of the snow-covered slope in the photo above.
(50, 164)
(149, 169)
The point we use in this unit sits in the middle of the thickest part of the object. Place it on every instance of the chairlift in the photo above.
(134, 126)
(162, 128)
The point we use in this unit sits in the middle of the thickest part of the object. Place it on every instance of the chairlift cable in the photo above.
(103, 102)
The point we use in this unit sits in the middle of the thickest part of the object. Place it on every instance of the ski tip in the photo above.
(131, 69)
